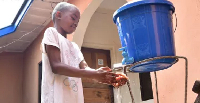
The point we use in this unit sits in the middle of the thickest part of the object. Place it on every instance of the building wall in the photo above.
(171, 81)
(103, 34)
(11, 72)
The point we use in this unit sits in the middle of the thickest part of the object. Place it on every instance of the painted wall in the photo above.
(171, 81)
(83, 22)
(102, 33)
(11, 72)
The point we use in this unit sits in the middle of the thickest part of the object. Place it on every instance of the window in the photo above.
(12, 13)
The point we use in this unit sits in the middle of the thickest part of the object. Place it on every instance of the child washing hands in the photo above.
(63, 62)
(119, 79)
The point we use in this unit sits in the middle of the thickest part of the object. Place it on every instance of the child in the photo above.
(63, 62)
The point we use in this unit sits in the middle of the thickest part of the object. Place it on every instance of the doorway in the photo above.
(96, 92)
(39, 81)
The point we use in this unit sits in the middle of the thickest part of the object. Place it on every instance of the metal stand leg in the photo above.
(129, 86)
(124, 67)
(186, 76)
(157, 97)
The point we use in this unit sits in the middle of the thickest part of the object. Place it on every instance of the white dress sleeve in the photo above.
(50, 38)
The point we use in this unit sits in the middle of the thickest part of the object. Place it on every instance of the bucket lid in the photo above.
(141, 2)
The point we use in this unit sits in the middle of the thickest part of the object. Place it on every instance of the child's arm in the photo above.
(63, 69)
(121, 78)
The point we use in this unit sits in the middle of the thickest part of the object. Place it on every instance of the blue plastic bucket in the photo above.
(146, 30)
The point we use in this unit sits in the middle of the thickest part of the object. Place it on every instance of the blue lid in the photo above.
(141, 2)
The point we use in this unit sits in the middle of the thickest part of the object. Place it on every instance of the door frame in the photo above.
(107, 52)
(39, 81)
(111, 48)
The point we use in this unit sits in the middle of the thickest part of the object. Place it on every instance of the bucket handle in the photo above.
(176, 22)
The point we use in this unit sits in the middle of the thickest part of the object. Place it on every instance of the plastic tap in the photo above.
(126, 59)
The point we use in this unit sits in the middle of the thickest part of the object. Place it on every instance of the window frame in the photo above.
(17, 20)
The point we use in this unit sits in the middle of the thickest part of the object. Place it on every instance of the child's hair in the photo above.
(62, 6)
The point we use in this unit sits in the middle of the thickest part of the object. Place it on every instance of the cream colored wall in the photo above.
(84, 21)
(102, 33)
(11, 72)
(187, 42)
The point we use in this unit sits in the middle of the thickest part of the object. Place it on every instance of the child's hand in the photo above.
(106, 77)
(121, 79)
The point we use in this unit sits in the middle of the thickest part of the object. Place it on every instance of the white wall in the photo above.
(102, 33)
(78, 35)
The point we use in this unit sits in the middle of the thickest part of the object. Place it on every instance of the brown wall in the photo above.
(11, 72)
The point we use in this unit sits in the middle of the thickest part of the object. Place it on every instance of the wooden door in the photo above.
(96, 92)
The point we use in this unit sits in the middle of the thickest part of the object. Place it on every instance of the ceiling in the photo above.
(37, 17)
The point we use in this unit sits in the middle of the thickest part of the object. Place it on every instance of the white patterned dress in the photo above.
(58, 88)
